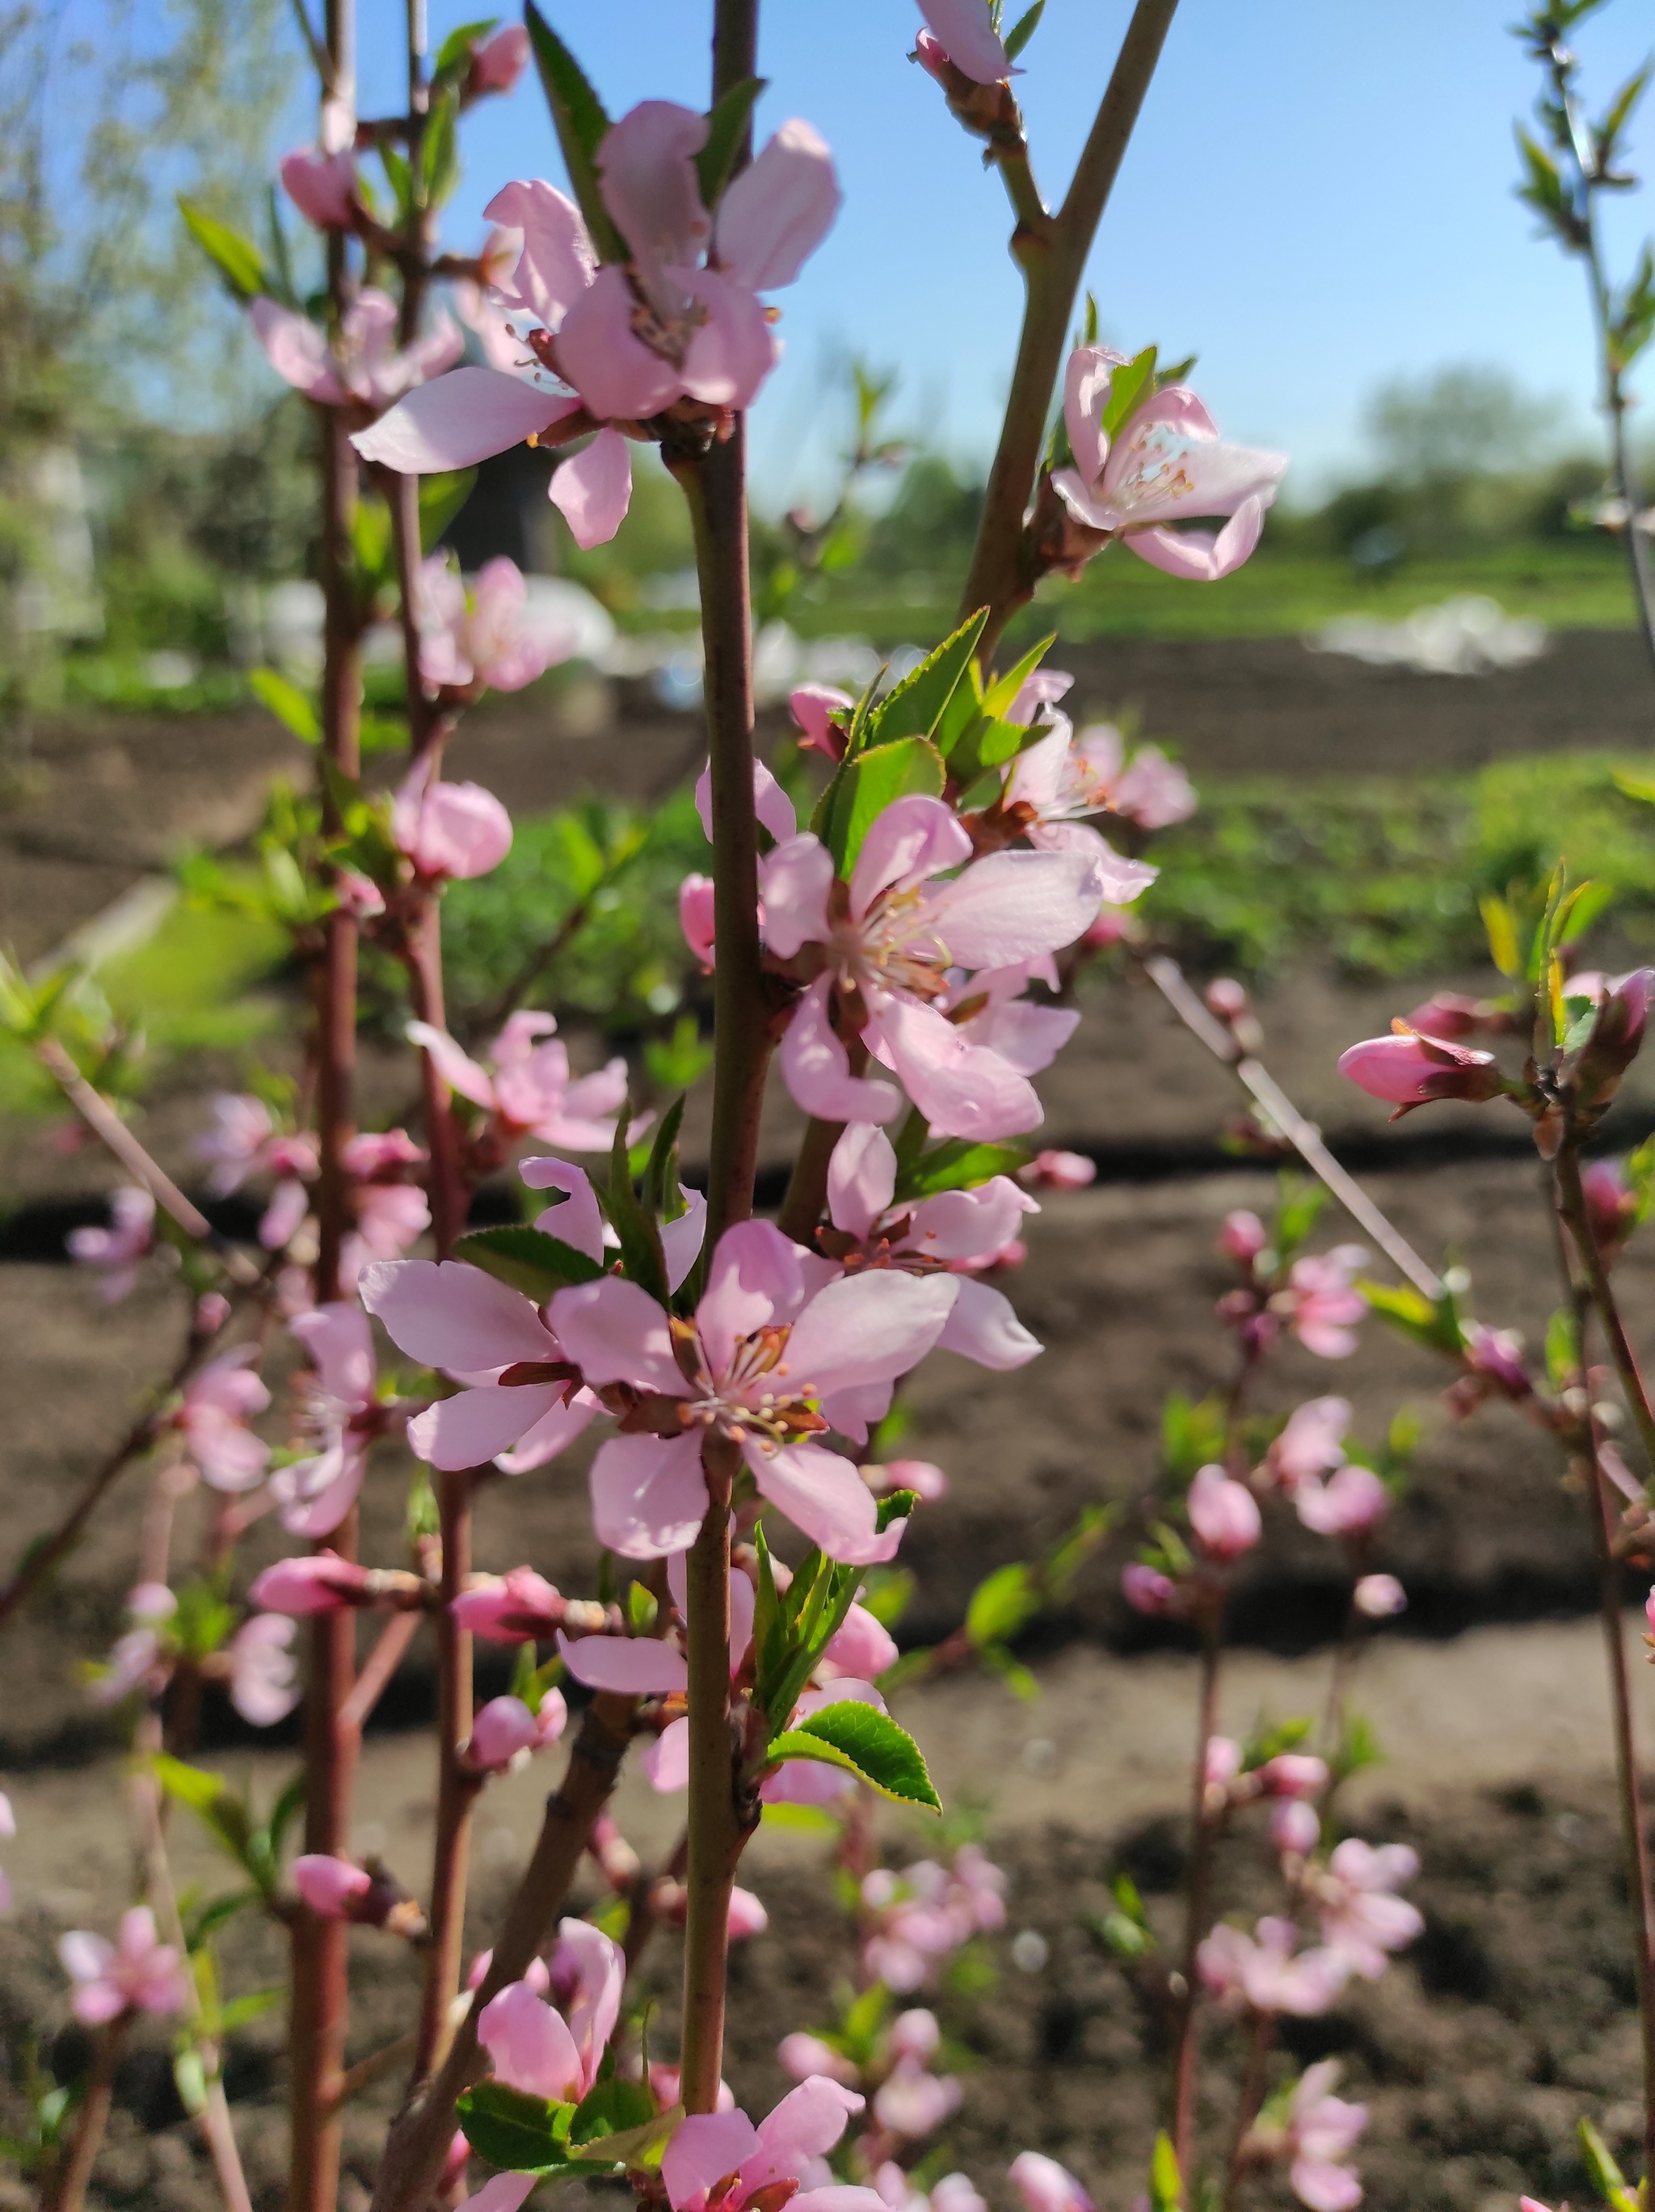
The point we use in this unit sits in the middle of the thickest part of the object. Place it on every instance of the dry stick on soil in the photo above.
(1304, 1136)
(1592, 1291)
(420, 2138)
(320, 1996)
(1051, 252)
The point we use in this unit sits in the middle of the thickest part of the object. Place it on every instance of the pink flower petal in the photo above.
(868, 1328)
(646, 165)
(776, 213)
(469, 1429)
(967, 31)
(754, 1279)
(1196, 555)
(557, 263)
(770, 803)
(706, 2147)
(824, 1496)
(1013, 906)
(734, 350)
(529, 2044)
(635, 1666)
(341, 1347)
(447, 1314)
(666, 1762)
(861, 1178)
(593, 490)
(459, 419)
(614, 1331)
(962, 1090)
(602, 355)
(794, 882)
(649, 1494)
(806, 2124)
(818, 1070)
(297, 349)
(983, 1326)
(912, 838)
(458, 1070)
(577, 1221)
(501, 2192)
(1086, 379)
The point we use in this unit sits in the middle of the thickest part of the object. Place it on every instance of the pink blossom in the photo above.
(787, 2146)
(505, 1728)
(389, 1217)
(554, 2050)
(1293, 1774)
(331, 1886)
(764, 1353)
(322, 186)
(1321, 1304)
(915, 2034)
(1165, 464)
(364, 366)
(137, 1661)
(489, 635)
(454, 1317)
(1264, 1973)
(498, 62)
(912, 2102)
(342, 1414)
(1223, 1763)
(1322, 2131)
(1611, 1207)
(928, 1912)
(922, 1476)
(519, 1607)
(1060, 1171)
(1351, 1503)
(284, 1216)
(951, 1231)
(1147, 1591)
(1061, 778)
(747, 1915)
(1243, 1237)
(358, 895)
(137, 1972)
(524, 1081)
(861, 1647)
(1293, 1826)
(802, 2055)
(235, 1145)
(696, 897)
(1378, 1596)
(774, 808)
(1224, 1515)
(630, 340)
(263, 1673)
(813, 706)
(319, 1582)
(1408, 1070)
(117, 1251)
(1046, 2186)
(1225, 999)
(1313, 1442)
(218, 1400)
(907, 922)
(448, 830)
(1362, 1917)
(965, 31)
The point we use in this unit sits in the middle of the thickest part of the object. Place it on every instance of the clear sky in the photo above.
(1319, 196)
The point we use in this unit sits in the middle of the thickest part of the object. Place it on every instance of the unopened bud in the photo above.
(1407, 1070)
(1293, 1826)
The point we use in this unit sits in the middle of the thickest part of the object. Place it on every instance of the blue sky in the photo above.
(1319, 196)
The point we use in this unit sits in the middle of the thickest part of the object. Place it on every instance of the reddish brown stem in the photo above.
(66, 2186)
(420, 2139)
(378, 1669)
(457, 1790)
(715, 1836)
(1186, 2016)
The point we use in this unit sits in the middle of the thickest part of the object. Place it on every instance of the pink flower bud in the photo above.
(1242, 1237)
(1227, 999)
(926, 1480)
(1224, 1515)
(520, 1606)
(1046, 2186)
(211, 1313)
(498, 62)
(747, 1914)
(319, 1583)
(812, 705)
(358, 894)
(1351, 1502)
(1060, 1171)
(695, 917)
(1108, 929)
(1380, 1596)
(1223, 1761)
(1147, 1591)
(1293, 1826)
(1448, 1014)
(802, 2055)
(1293, 1774)
(1408, 1071)
(322, 186)
(330, 1885)
(500, 1729)
(151, 1601)
(448, 830)
(916, 2035)
(1611, 1208)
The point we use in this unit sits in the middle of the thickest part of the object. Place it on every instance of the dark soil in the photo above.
(1476, 2055)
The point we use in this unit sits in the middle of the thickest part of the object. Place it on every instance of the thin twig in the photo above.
(1187, 2023)
(375, 1674)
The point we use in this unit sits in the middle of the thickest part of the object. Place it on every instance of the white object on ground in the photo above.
(1466, 635)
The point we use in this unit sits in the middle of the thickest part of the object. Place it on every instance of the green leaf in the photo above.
(998, 698)
(610, 2108)
(867, 784)
(454, 55)
(1002, 1604)
(579, 120)
(1023, 30)
(725, 127)
(866, 1743)
(913, 708)
(894, 1505)
(514, 2130)
(1501, 924)
(528, 1260)
(237, 259)
(1166, 2184)
(1620, 110)
(957, 1165)
(1297, 1213)
(295, 709)
(441, 498)
(439, 168)
(1436, 1327)
(1607, 2177)
(1130, 384)
(641, 1258)
(210, 1798)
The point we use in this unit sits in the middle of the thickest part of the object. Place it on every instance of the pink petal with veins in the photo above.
(593, 490)
(460, 419)
(649, 1494)
(818, 1070)
(776, 213)
(447, 1314)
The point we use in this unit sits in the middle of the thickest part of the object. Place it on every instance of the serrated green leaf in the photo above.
(513, 2130)
(1002, 1604)
(1023, 30)
(295, 709)
(894, 1505)
(237, 259)
(530, 1260)
(1129, 386)
(956, 1165)
(913, 708)
(867, 784)
(866, 1743)
(609, 2110)
(580, 122)
(725, 126)
(998, 698)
